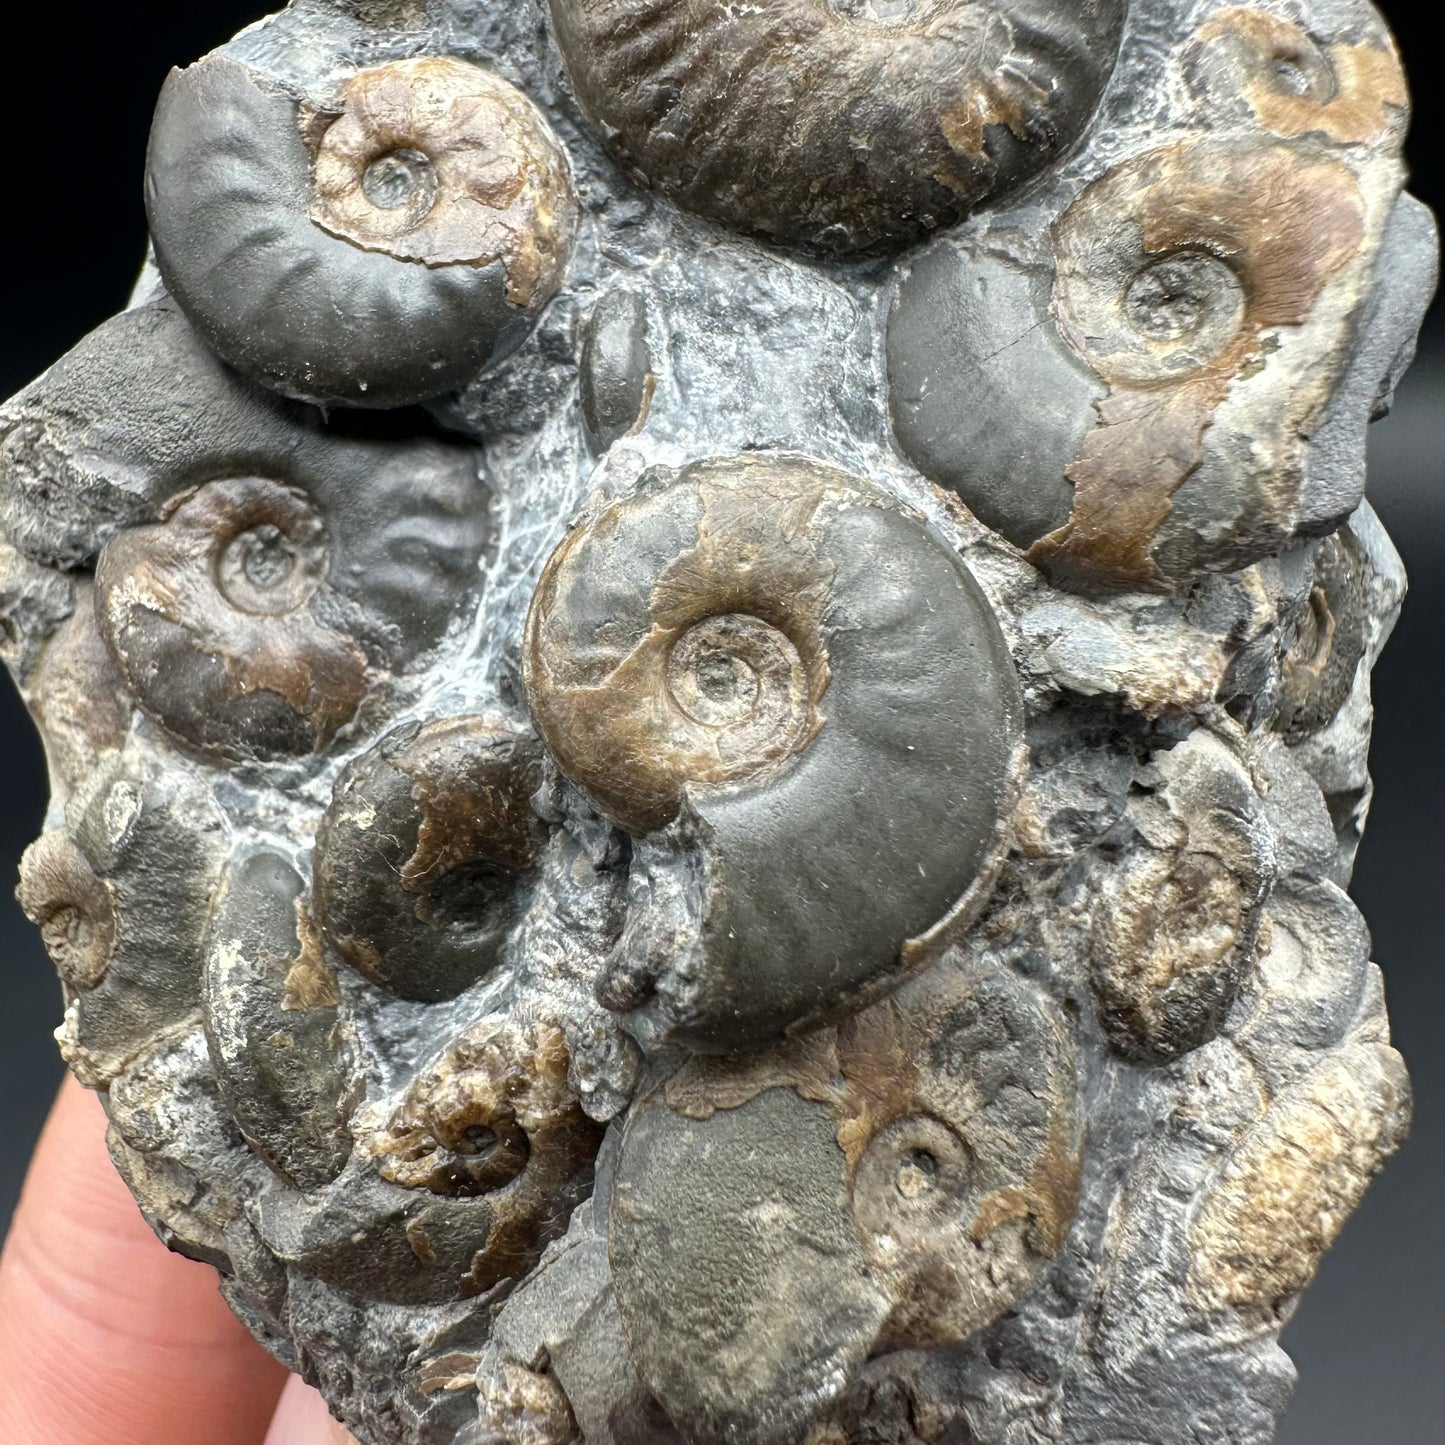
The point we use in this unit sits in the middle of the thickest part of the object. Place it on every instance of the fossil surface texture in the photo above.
(706, 672)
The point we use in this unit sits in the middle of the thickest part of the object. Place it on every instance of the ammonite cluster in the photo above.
(706, 675)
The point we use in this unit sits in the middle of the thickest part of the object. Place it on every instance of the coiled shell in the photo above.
(121, 895)
(1175, 927)
(421, 859)
(895, 1185)
(800, 672)
(1178, 378)
(1348, 92)
(375, 256)
(1171, 269)
(1326, 641)
(458, 1187)
(210, 618)
(262, 567)
(806, 121)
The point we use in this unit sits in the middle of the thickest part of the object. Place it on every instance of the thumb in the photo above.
(302, 1418)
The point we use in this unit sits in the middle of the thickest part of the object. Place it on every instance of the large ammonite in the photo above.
(798, 672)
(827, 124)
(1177, 277)
(891, 1185)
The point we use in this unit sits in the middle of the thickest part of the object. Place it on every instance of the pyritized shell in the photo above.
(1351, 92)
(1175, 926)
(73, 909)
(122, 895)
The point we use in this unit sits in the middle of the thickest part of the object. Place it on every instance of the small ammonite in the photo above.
(121, 895)
(832, 125)
(1325, 641)
(141, 410)
(1175, 925)
(74, 910)
(799, 672)
(264, 567)
(456, 1187)
(284, 1064)
(422, 859)
(1349, 92)
(210, 616)
(379, 252)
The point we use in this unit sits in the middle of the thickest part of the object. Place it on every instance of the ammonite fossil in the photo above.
(706, 675)
(376, 249)
(838, 125)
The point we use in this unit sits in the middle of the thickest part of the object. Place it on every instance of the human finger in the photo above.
(106, 1338)
(302, 1418)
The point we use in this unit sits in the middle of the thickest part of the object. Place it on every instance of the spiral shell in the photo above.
(798, 669)
(460, 1186)
(497, 1102)
(377, 255)
(73, 909)
(210, 617)
(1325, 642)
(136, 411)
(121, 894)
(1171, 270)
(1345, 93)
(1174, 930)
(262, 567)
(808, 122)
(776, 1221)
(422, 857)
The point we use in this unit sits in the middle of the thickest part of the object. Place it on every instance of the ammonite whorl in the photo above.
(1103, 361)
(254, 617)
(1325, 642)
(375, 255)
(121, 894)
(801, 672)
(274, 1030)
(1171, 269)
(824, 124)
(421, 856)
(1352, 92)
(210, 616)
(459, 1184)
(896, 1184)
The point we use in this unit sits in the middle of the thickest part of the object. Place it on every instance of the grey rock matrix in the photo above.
(706, 672)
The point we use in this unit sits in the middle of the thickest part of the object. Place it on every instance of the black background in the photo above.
(1370, 1339)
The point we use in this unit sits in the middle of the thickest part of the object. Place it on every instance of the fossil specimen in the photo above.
(706, 676)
